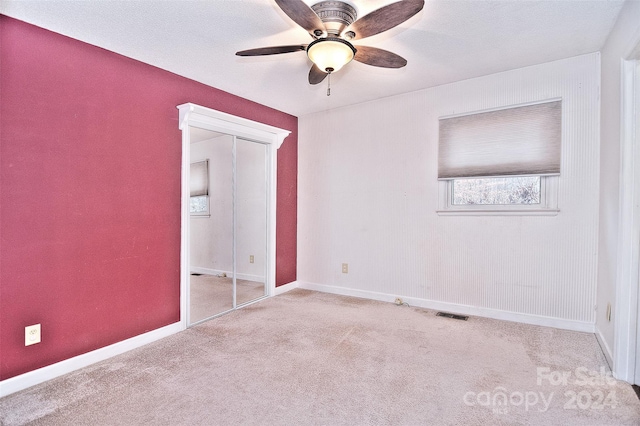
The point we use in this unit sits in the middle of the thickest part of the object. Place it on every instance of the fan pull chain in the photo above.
(329, 86)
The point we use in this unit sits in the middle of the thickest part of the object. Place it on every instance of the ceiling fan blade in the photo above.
(272, 50)
(379, 57)
(385, 18)
(302, 15)
(316, 75)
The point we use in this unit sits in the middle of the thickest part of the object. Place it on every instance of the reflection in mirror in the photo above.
(251, 220)
(211, 226)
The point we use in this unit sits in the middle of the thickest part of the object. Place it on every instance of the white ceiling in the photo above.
(449, 40)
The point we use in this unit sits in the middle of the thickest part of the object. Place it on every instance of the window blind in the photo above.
(199, 183)
(523, 140)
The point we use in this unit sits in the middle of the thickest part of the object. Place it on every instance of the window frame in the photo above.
(207, 212)
(549, 178)
(548, 205)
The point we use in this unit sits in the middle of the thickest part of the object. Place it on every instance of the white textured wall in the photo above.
(368, 197)
(621, 41)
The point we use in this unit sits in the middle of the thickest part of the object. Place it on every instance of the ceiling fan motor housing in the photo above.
(335, 15)
(333, 24)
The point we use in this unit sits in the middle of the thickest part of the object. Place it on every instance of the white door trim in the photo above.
(217, 121)
(626, 319)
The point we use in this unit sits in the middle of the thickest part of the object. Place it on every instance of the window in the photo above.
(199, 188)
(199, 205)
(503, 161)
(497, 191)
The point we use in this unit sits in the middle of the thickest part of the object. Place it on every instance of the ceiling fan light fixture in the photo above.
(331, 53)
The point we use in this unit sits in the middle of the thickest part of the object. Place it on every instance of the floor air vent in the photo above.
(454, 316)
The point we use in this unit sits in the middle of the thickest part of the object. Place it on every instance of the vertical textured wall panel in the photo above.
(369, 195)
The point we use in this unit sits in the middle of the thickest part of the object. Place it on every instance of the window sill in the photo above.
(498, 212)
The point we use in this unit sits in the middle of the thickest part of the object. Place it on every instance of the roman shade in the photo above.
(199, 178)
(524, 140)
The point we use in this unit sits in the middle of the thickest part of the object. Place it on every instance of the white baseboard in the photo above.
(564, 324)
(208, 271)
(40, 375)
(285, 288)
(35, 377)
(606, 350)
(32, 378)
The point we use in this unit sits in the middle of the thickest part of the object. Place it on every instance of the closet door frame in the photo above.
(192, 115)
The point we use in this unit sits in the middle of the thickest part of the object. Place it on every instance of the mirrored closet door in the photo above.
(228, 223)
(251, 220)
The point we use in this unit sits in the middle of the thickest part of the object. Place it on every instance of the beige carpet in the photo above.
(311, 358)
(212, 295)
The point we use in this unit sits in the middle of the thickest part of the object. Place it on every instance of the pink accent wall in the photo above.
(90, 157)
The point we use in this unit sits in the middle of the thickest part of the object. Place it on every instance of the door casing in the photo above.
(192, 115)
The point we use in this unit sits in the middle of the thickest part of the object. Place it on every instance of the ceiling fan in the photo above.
(333, 24)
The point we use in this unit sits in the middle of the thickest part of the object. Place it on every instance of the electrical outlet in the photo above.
(399, 301)
(32, 335)
(345, 268)
(251, 259)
